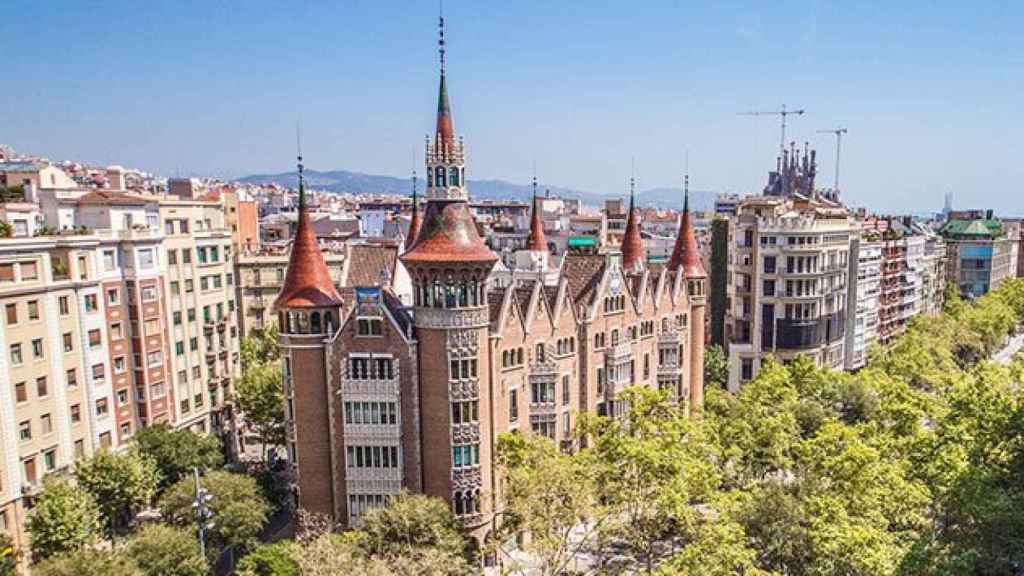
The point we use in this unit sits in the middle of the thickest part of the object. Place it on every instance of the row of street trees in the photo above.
(913, 465)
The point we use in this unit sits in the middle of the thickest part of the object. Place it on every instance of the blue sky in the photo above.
(930, 92)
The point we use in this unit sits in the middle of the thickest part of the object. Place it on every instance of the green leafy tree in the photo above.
(260, 396)
(277, 559)
(716, 367)
(261, 347)
(6, 231)
(160, 550)
(239, 508)
(410, 522)
(177, 451)
(550, 495)
(120, 483)
(65, 518)
(333, 554)
(652, 466)
(718, 548)
(87, 561)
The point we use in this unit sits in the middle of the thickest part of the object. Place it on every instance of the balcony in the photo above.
(543, 408)
(668, 339)
(371, 382)
(545, 368)
(618, 353)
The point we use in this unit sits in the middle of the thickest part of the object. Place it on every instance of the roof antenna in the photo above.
(298, 147)
(440, 30)
(686, 182)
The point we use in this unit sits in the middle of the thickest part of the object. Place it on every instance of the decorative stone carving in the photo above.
(451, 318)
(466, 478)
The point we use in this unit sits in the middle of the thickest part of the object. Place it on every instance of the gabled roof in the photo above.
(583, 273)
(366, 261)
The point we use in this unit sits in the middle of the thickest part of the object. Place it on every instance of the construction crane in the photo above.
(839, 144)
(781, 112)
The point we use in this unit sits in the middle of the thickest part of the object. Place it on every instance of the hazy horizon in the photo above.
(929, 94)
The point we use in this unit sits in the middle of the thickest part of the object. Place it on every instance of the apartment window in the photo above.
(42, 390)
(176, 318)
(198, 401)
(513, 404)
(152, 327)
(98, 372)
(565, 389)
(145, 258)
(79, 449)
(105, 440)
(193, 343)
(101, 407)
(119, 364)
(109, 260)
(465, 412)
(46, 424)
(126, 430)
(76, 413)
(769, 264)
(186, 253)
(148, 293)
(196, 373)
(90, 303)
(95, 339)
(63, 305)
(370, 327)
(769, 288)
(122, 397)
(179, 348)
(16, 358)
(172, 255)
(69, 342)
(371, 457)
(72, 378)
(113, 297)
(25, 430)
(647, 365)
(154, 358)
(21, 392)
(29, 271)
(184, 405)
(50, 459)
(33, 310)
(465, 455)
(746, 368)
(169, 227)
(190, 286)
(157, 391)
(191, 314)
(12, 314)
(201, 254)
(371, 413)
(30, 470)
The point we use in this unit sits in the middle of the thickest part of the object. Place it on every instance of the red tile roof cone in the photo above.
(685, 254)
(414, 224)
(536, 241)
(449, 232)
(632, 245)
(308, 283)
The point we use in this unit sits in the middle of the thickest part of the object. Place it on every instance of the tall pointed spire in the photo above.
(308, 283)
(449, 232)
(414, 222)
(632, 245)
(536, 241)
(685, 254)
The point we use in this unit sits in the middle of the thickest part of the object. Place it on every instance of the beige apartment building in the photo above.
(200, 287)
(55, 380)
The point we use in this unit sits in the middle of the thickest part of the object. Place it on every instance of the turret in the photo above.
(632, 245)
(686, 257)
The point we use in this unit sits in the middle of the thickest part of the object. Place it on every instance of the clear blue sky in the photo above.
(931, 94)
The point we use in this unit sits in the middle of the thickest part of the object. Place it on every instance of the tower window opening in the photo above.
(453, 176)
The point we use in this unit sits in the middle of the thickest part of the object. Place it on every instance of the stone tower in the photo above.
(685, 256)
(309, 309)
(449, 265)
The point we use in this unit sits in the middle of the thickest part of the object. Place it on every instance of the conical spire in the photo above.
(632, 245)
(685, 254)
(414, 223)
(536, 241)
(308, 283)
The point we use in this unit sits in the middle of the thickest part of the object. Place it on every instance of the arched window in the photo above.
(453, 176)
(303, 323)
(314, 323)
(328, 323)
(540, 352)
(439, 178)
(519, 356)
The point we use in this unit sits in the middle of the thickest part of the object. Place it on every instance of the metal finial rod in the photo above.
(440, 39)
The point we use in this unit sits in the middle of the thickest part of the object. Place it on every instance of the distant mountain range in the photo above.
(355, 182)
